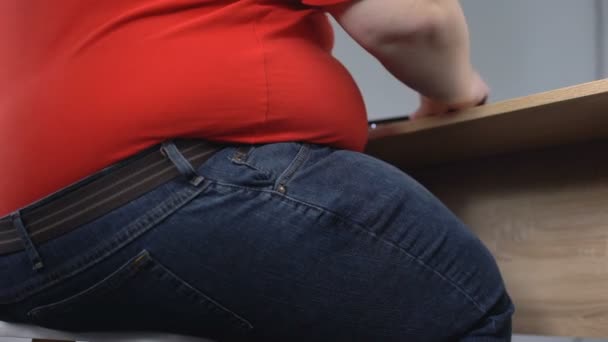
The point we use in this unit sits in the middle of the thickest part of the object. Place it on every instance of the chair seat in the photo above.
(30, 331)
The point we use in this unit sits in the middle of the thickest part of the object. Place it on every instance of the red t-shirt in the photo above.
(84, 84)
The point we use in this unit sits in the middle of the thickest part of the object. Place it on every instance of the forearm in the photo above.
(436, 60)
(423, 43)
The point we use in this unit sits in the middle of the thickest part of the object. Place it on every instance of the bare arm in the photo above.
(424, 43)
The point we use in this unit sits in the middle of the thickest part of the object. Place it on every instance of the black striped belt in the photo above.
(99, 194)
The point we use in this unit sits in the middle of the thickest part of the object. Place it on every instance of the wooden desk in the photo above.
(530, 177)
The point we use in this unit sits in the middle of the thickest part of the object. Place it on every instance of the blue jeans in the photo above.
(280, 242)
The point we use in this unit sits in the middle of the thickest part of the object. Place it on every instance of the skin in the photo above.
(423, 43)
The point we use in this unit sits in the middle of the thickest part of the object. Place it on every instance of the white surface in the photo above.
(521, 47)
(162, 339)
(550, 339)
(22, 333)
(12, 339)
(8, 333)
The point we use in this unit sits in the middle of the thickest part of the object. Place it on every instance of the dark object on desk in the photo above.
(564, 116)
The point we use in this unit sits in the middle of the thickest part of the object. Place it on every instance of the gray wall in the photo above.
(521, 47)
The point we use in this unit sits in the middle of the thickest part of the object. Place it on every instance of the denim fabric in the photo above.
(278, 242)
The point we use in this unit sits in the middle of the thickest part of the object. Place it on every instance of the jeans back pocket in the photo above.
(142, 295)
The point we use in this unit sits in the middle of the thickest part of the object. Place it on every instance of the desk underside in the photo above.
(544, 215)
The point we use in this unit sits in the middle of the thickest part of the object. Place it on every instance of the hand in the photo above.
(477, 96)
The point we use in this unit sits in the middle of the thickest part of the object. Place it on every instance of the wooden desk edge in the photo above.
(490, 110)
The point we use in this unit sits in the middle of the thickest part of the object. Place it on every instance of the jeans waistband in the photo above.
(100, 193)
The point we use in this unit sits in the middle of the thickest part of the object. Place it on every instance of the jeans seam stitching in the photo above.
(200, 293)
(126, 269)
(363, 228)
(293, 167)
(138, 226)
(242, 159)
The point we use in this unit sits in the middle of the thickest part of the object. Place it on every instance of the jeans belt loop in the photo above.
(170, 150)
(30, 248)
